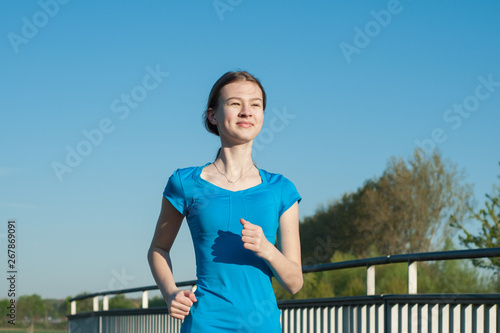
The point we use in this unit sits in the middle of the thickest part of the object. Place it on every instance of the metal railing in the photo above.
(371, 313)
(105, 296)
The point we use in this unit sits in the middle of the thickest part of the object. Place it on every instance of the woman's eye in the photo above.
(235, 103)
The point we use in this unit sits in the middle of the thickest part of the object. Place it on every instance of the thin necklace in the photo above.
(229, 180)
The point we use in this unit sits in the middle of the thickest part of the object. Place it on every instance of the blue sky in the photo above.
(124, 84)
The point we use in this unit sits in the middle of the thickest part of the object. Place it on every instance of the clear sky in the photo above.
(102, 101)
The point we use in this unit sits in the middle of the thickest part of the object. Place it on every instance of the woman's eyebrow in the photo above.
(241, 98)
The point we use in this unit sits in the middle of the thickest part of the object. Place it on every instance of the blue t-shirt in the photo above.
(234, 290)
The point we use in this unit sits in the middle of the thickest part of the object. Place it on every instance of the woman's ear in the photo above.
(211, 116)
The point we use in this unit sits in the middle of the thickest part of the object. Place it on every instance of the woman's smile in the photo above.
(244, 124)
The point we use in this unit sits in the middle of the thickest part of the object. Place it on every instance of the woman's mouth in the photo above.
(244, 124)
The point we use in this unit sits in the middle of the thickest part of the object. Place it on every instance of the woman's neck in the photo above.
(234, 161)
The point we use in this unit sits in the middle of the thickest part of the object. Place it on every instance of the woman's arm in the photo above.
(284, 261)
(178, 301)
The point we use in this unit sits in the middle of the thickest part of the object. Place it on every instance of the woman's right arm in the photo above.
(178, 301)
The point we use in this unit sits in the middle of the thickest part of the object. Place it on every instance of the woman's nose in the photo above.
(245, 110)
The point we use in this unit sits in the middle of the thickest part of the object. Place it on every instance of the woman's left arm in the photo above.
(285, 260)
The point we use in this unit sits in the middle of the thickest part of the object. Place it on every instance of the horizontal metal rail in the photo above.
(369, 263)
(130, 290)
(412, 257)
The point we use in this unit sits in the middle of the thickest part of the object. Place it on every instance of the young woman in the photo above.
(236, 213)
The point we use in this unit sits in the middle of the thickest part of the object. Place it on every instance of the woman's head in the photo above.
(215, 93)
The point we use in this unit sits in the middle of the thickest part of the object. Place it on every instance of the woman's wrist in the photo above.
(169, 293)
(268, 251)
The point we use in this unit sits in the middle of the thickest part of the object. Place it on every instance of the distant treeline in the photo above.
(32, 310)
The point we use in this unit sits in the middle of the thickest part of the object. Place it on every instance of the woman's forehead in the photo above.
(241, 89)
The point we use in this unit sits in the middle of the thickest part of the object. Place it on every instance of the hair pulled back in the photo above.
(213, 97)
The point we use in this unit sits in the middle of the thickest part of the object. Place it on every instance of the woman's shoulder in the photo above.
(189, 171)
(283, 188)
(186, 176)
(275, 178)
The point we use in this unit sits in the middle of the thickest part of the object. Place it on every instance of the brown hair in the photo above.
(213, 97)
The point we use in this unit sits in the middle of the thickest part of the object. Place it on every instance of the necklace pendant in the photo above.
(229, 180)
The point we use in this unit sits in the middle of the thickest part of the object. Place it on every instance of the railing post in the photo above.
(96, 303)
(145, 301)
(412, 277)
(105, 303)
(370, 280)
(73, 307)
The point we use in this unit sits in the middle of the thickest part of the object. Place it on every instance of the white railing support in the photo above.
(145, 301)
(412, 277)
(73, 307)
(370, 280)
(105, 303)
(96, 303)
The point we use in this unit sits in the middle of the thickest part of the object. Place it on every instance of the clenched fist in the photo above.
(180, 303)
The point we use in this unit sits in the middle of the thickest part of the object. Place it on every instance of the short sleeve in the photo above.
(289, 195)
(174, 192)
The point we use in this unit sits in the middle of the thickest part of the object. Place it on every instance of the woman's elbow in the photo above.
(296, 285)
(150, 254)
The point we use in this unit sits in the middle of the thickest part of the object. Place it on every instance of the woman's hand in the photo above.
(284, 259)
(180, 302)
(254, 239)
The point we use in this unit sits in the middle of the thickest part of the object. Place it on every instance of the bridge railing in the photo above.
(346, 314)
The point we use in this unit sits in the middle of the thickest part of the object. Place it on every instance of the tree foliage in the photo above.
(446, 276)
(121, 302)
(4, 307)
(84, 305)
(330, 229)
(412, 202)
(487, 219)
(157, 302)
(407, 209)
(453, 276)
(30, 307)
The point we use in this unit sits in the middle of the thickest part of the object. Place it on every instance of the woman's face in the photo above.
(240, 112)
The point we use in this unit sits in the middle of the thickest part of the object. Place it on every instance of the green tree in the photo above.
(84, 305)
(157, 302)
(345, 282)
(453, 276)
(53, 310)
(30, 307)
(332, 229)
(65, 306)
(121, 302)
(4, 309)
(444, 276)
(488, 219)
(407, 209)
(411, 204)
